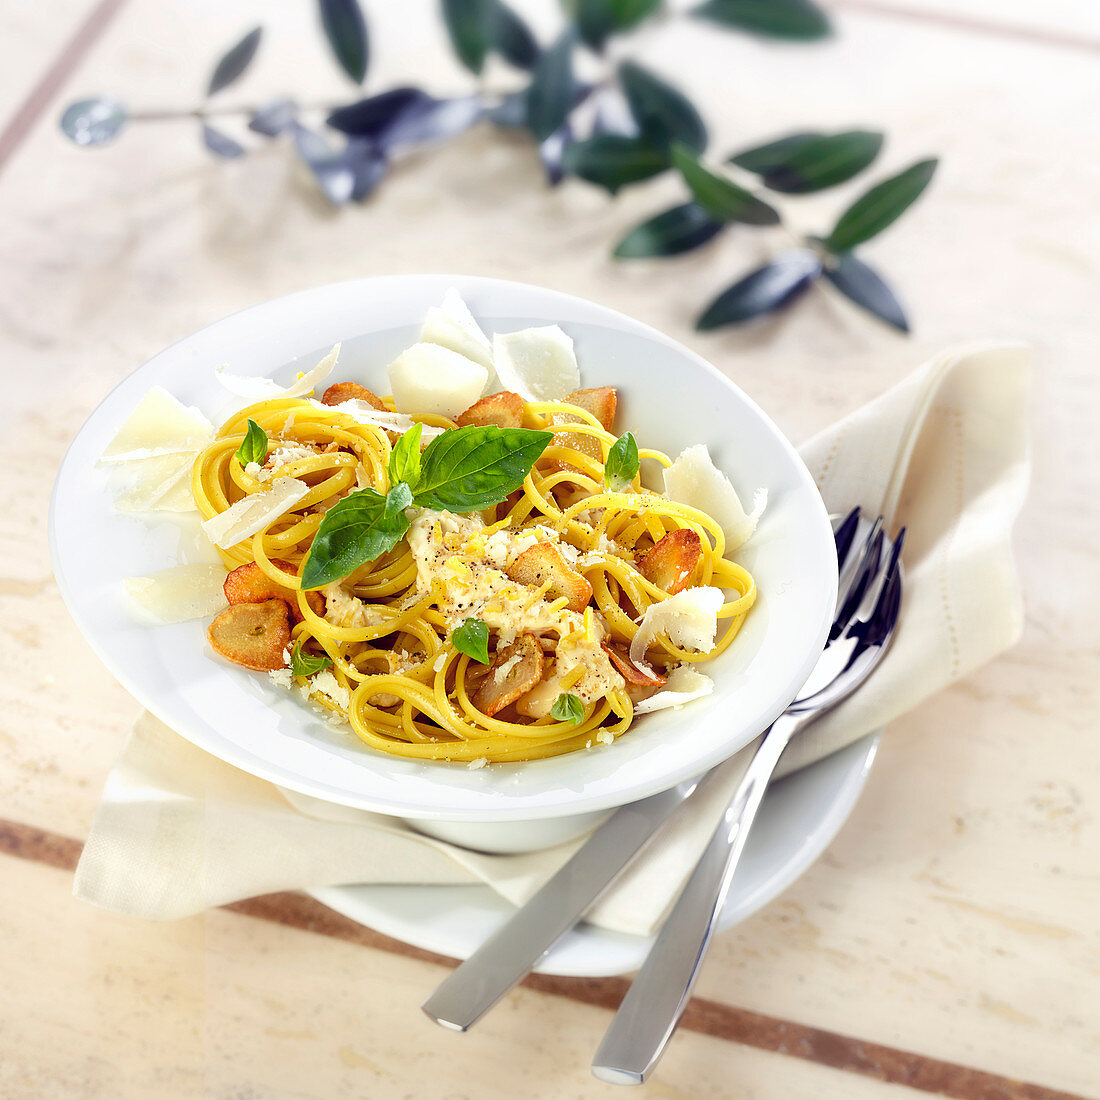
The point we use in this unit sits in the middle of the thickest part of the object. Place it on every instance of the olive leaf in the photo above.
(465, 22)
(880, 207)
(768, 289)
(721, 198)
(346, 31)
(273, 117)
(234, 62)
(679, 229)
(479, 27)
(94, 121)
(866, 288)
(220, 144)
(331, 169)
(614, 160)
(663, 113)
(553, 88)
(795, 20)
(510, 36)
(812, 162)
(597, 20)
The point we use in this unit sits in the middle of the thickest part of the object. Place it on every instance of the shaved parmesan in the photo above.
(428, 379)
(362, 413)
(263, 389)
(158, 484)
(537, 363)
(252, 513)
(685, 685)
(181, 593)
(690, 619)
(693, 479)
(160, 425)
(452, 325)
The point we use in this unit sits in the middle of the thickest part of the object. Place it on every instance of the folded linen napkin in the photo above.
(944, 452)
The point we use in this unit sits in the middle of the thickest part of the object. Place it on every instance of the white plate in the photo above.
(798, 819)
(670, 398)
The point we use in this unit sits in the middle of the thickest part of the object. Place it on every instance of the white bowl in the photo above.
(669, 398)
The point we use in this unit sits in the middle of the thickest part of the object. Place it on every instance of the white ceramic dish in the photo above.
(669, 397)
(798, 820)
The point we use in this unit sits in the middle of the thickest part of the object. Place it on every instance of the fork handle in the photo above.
(651, 1010)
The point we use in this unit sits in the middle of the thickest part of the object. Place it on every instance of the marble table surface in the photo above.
(948, 942)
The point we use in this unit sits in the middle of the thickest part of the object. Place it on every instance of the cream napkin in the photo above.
(944, 452)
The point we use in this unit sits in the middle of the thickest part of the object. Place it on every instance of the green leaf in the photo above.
(794, 20)
(355, 530)
(870, 214)
(468, 27)
(768, 289)
(552, 90)
(679, 229)
(467, 469)
(864, 286)
(510, 36)
(307, 664)
(597, 20)
(613, 160)
(472, 638)
(346, 31)
(567, 708)
(721, 198)
(817, 161)
(763, 158)
(253, 447)
(663, 113)
(404, 464)
(234, 62)
(622, 462)
(398, 498)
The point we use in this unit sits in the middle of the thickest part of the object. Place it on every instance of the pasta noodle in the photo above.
(396, 674)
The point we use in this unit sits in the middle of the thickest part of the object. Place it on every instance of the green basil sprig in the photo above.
(567, 708)
(622, 462)
(306, 664)
(253, 447)
(462, 470)
(472, 638)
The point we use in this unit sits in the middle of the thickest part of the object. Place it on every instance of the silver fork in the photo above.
(514, 949)
(867, 610)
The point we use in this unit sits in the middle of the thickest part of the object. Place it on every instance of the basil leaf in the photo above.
(472, 638)
(872, 212)
(306, 664)
(398, 498)
(404, 464)
(355, 530)
(567, 708)
(467, 469)
(679, 229)
(622, 462)
(253, 447)
(721, 198)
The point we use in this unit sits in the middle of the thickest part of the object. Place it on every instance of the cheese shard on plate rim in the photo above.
(537, 363)
(685, 685)
(180, 593)
(263, 389)
(452, 325)
(693, 479)
(161, 483)
(431, 380)
(690, 619)
(160, 425)
(254, 512)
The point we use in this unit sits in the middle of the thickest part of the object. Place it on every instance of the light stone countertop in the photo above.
(949, 940)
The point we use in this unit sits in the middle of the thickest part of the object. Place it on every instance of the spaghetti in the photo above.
(561, 574)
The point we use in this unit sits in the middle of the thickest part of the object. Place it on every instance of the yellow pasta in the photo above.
(396, 674)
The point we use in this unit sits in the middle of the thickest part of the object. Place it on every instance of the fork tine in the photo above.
(868, 606)
(854, 578)
(845, 534)
(888, 605)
